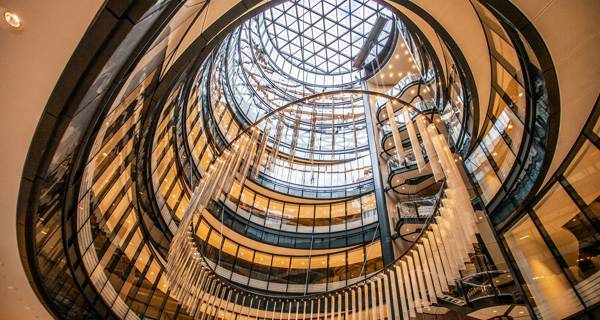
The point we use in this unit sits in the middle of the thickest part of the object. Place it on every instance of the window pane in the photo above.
(246, 200)
(244, 261)
(575, 238)
(275, 212)
(550, 291)
(318, 269)
(279, 270)
(298, 270)
(338, 212)
(262, 264)
(483, 172)
(228, 254)
(322, 215)
(337, 267)
(306, 216)
(505, 50)
(236, 190)
(584, 173)
(353, 210)
(500, 152)
(512, 88)
(260, 205)
(374, 260)
(356, 259)
(290, 214)
(512, 128)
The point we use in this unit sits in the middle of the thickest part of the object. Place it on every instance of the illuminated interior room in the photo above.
(300, 159)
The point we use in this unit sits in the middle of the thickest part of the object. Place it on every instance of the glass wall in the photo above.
(247, 264)
(302, 217)
(556, 244)
(494, 157)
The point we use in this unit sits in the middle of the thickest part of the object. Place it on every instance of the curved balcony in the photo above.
(290, 238)
(301, 217)
(411, 215)
(363, 186)
(430, 258)
(405, 178)
(403, 89)
(254, 265)
(437, 220)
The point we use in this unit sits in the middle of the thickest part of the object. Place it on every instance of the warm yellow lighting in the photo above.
(397, 56)
(390, 66)
(399, 74)
(414, 67)
(412, 91)
(382, 75)
(405, 51)
(12, 19)
(402, 45)
(410, 59)
(391, 75)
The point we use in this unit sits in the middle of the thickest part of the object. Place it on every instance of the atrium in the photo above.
(300, 159)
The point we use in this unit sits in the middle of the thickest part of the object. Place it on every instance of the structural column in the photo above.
(387, 250)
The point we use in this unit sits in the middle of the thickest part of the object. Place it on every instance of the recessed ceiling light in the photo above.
(12, 19)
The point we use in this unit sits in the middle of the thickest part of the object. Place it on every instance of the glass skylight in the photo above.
(316, 41)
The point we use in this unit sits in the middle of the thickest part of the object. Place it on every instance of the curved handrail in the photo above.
(190, 235)
(367, 278)
(265, 117)
(411, 80)
(321, 95)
